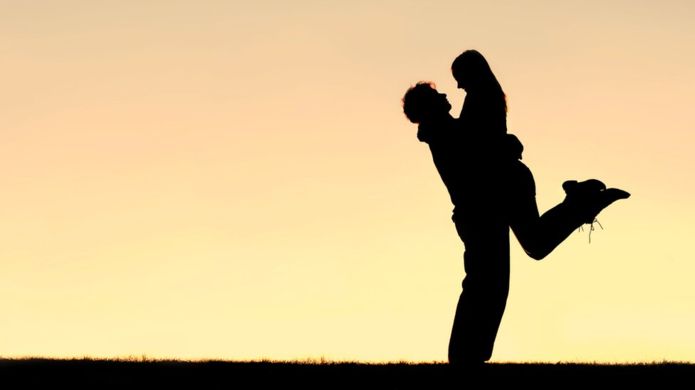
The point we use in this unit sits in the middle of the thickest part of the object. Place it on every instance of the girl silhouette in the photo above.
(492, 190)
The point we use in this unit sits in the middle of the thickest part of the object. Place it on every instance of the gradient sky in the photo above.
(236, 180)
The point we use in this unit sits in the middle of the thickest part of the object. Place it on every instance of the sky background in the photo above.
(236, 180)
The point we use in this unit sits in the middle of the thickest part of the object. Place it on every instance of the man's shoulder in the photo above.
(437, 132)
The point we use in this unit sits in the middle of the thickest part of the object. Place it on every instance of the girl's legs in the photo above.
(540, 235)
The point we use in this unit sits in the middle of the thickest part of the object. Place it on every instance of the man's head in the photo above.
(423, 102)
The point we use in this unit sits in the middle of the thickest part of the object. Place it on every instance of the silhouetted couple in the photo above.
(492, 190)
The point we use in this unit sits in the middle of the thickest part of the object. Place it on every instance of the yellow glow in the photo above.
(216, 179)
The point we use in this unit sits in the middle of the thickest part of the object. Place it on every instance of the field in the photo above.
(142, 373)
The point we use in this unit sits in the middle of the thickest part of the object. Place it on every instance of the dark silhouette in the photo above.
(492, 190)
(169, 374)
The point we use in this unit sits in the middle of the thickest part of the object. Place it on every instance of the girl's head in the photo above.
(473, 73)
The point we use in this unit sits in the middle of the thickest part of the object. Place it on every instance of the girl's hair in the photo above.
(471, 67)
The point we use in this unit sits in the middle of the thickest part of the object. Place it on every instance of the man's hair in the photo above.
(417, 100)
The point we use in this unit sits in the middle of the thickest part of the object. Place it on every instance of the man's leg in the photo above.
(484, 296)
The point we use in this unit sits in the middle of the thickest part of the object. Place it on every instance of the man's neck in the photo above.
(437, 120)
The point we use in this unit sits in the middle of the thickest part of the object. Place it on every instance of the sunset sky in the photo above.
(237, 180)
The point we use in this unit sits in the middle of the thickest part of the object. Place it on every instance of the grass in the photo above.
(167, 374)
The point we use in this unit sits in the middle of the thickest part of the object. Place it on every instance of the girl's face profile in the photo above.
(461, 80)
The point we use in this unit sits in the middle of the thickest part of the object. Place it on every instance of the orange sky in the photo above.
(236, 180)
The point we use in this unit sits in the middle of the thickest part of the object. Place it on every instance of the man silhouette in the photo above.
(492, 190)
